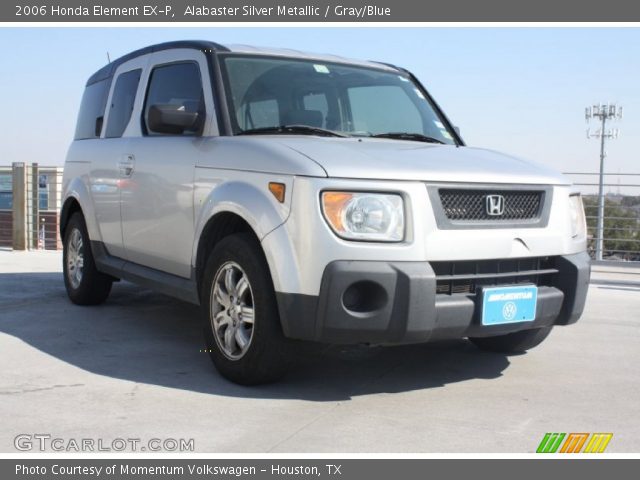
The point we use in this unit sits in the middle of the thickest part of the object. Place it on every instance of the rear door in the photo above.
(157, 201)
(109, 165)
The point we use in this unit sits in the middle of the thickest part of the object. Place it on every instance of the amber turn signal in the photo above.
(278, 190)
(333, 204)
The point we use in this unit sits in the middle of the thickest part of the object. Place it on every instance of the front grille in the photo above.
(467, 276)
(468, 204)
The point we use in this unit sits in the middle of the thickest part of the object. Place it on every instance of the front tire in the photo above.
(517, 342)
(242, 326)
(84, 283)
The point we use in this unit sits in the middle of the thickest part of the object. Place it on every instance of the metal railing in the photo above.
(621, 216)
(30, 197)
(29, 206)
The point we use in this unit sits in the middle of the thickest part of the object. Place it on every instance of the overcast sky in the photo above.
(518, 90)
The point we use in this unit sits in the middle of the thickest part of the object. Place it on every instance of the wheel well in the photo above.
(218, 227)
(68, 209)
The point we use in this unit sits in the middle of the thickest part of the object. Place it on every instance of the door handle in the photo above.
(126, 165)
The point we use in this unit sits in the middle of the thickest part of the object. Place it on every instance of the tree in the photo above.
(630, 201)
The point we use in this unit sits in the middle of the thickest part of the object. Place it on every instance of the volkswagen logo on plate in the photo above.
(509, 311)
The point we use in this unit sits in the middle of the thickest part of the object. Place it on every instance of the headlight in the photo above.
(578, 220)
(364, 216)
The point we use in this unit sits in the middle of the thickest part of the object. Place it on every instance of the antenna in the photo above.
(108, 57)
(601, 113)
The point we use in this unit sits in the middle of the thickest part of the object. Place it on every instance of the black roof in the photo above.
(107, 71)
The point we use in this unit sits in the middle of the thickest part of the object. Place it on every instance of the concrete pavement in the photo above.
(133, 368)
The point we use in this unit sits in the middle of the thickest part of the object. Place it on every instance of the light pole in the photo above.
(602, 113)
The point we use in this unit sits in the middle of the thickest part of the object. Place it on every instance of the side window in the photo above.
(177, 84)
(92, 108)
(6, 195)
(317, 102)
(43, 192)
(260, 113)
(124, 94)
(383, 108)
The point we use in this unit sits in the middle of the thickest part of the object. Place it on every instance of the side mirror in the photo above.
(172, 119)
(457, 129)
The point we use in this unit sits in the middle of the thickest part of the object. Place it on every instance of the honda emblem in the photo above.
(495, 205)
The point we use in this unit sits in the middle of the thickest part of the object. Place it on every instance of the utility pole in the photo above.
(602, 113)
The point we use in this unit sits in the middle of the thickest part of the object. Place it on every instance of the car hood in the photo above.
(371, 158)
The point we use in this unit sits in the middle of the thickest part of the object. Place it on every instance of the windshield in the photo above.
(267, 92)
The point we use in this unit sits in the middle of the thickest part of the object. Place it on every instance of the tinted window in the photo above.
(176, 84)
(6, 195)
(262, 113)
(317, 102)
(124, 94)
(43, 192)
(368, 103)
(349, 99)
(91, 109)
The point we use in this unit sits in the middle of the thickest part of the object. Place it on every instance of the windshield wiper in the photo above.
(295, 129)
(418, 137)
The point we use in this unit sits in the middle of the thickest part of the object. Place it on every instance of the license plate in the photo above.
(502, 305)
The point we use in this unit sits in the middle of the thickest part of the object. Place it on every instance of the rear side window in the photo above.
(175, 84)
(124, 94)
(92, 108)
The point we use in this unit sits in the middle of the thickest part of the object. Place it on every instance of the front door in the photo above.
(157, 201)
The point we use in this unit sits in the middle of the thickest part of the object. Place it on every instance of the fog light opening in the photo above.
(364, 297)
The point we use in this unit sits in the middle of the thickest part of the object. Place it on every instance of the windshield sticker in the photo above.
(438, 124)
(321, 68)
(419, 93)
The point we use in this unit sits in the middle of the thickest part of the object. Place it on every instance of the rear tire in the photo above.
(517, 342)
(84, 283)
(242, 325)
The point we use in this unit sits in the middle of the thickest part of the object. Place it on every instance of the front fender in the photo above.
(249, 198)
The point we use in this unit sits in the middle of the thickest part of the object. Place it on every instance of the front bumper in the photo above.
(396, 303)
